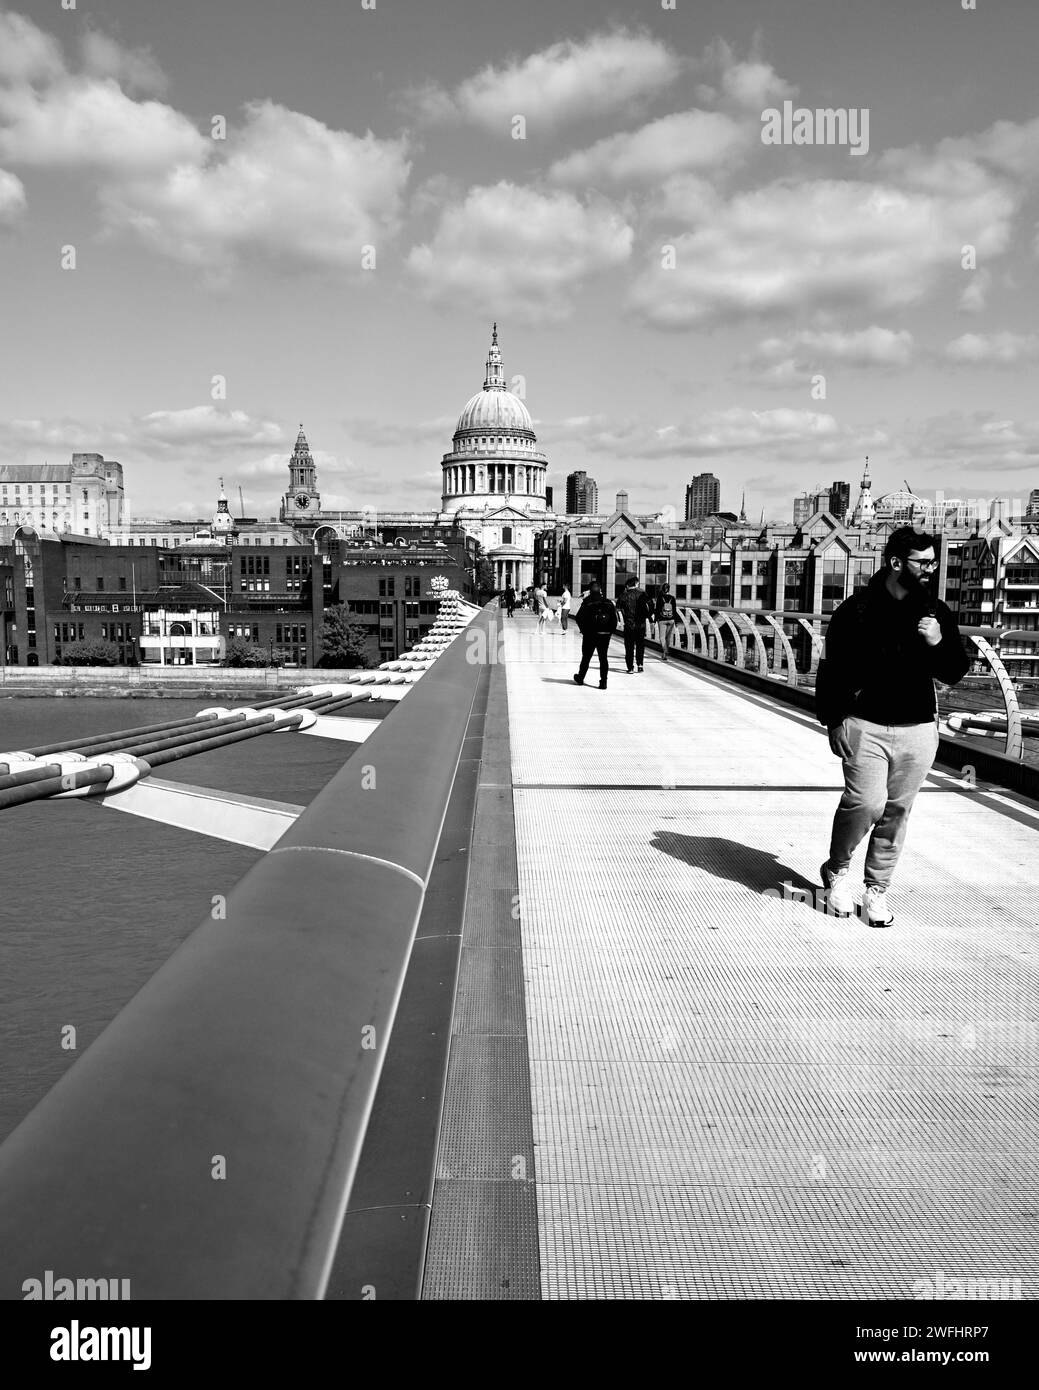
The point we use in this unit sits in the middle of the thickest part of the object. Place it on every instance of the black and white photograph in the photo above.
(519, 671)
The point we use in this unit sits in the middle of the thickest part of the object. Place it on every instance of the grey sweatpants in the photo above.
(887, 768)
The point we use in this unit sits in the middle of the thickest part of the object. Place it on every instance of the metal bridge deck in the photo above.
(736, 1096)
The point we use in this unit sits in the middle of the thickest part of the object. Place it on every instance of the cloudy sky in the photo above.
(326, 205)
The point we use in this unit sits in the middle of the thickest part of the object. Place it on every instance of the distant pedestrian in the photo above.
(597, 620)
(634, 610)
(666, 616)
(510, 599)
(535, 599)
(540, 597)
(564, 607)
(885, 647)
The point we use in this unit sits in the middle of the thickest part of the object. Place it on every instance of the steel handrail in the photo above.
(217, 1122)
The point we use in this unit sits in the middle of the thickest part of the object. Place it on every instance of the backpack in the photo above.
(668, 609)
(597, 615)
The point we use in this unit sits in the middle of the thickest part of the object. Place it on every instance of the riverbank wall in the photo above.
(171, 682)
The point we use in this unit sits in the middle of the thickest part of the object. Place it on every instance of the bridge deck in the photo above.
(736, 1096)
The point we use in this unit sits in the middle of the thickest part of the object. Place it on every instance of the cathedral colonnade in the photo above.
(493, 479)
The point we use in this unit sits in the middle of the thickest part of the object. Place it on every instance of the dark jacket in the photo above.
(877, 666)
(596, 615)
(635, 607)
(658, 612)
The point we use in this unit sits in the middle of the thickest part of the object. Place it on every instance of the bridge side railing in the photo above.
(205, 1145)
(759, 640)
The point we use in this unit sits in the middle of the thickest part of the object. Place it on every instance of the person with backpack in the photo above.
(666, 616)
(597, 620)
(885, 647)
(634, 609)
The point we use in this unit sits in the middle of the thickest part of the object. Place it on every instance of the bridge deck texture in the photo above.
(736, 1096)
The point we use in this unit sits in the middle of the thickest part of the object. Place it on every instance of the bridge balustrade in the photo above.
(759, 640)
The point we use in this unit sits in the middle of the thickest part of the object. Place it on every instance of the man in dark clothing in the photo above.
(597, 620)
(885, 646)
(510, 599)
(635, 609)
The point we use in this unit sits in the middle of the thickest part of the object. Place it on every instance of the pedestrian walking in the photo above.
(597, 620)
(634, 609)
(510, 599)
(536, 600)
(885, 647)
(666, 616)
(564, 607)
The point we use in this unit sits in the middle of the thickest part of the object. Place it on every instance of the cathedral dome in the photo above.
(495, 410)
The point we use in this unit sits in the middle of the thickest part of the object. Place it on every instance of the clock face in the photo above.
(302, 501)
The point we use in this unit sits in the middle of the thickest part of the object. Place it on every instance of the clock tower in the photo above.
(302, 498)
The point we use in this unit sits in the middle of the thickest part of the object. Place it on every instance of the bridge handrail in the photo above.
(981, 637)
(205, 1145)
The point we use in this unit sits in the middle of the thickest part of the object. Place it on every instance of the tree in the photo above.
(486, 588)
(344, 644)
(91, 651)
(241, 653)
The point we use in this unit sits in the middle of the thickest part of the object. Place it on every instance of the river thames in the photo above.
(93, 901)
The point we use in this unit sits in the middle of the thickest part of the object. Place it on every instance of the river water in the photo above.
(93, 901)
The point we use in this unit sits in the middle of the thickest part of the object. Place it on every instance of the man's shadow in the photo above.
(731, 861)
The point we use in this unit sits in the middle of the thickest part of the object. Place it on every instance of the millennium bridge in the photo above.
(540, 998)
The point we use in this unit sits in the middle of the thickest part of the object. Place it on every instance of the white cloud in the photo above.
(1011, 147)
(981, 443)
(381, 434)
(683, 141)
(136, 68)
(510, 249)
(287, 188)
(203, 425)
(12, 197)
(974, 296)
(52, 118)
(993, 349)
(789, 359)
(27, 54)
(90, 123)
(821, 244)
(570, 80)
(282, 186)
(750, 83)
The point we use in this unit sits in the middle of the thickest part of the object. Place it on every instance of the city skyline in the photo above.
(220, 295)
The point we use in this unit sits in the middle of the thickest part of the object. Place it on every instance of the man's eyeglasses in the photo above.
(924, 564)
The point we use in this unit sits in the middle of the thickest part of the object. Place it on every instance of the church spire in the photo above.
(865, 509)
(495, 378)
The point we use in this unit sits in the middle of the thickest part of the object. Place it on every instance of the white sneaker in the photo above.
(837, 883)
(877, 911)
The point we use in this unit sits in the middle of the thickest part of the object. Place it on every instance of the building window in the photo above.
(100, 584)
(77, 583)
